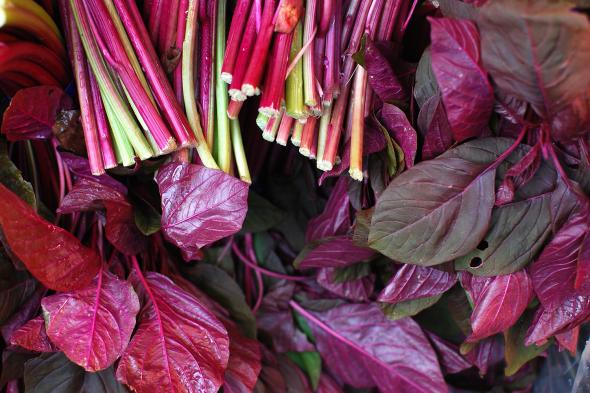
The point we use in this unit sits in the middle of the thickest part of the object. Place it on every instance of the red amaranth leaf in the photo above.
(466, 92)
(179, 344)
(33, 111)
(487, 353)
(337, 251)
(382, 77)
(537, 51)
(406, 364)
(54, 256)
(450, 359)
(80, 167)
(335, 219)
(93, 326)
(414, 282)
(120, 227)
(200, 205)
(244, 362)
(433, 122)
(498, 302)
(396, 122)
(358, 289)
(32, 336)
(328, 385)
(518, 175)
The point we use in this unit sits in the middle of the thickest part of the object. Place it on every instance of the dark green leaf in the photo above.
(53, 373)
(12, 178)
(517, 233)
(262, 215)
(13, 365)
(311, 363)
(352, 272)
(359, 56)
(435, 211)
(517, 354)
(222, 288)
(301, 323)
(147, 217)
(102, 382)
(362, 226)
(15, 287)
(408, 308)
(426, 84)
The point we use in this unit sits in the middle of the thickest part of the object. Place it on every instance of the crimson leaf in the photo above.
(536, 50)
(396, 122)
(32, 336)
(200, 205)
(92, 326)
(499, 303)
(337, 251)
(449, 357)
(33, 111)
(406, 364)
(179, 345)
(120, 226)
(434, 124)
(244, 363)
(357, 288)
(414, 282)
(467, 95)
(335, 219)
(54, 256)
(382, 78)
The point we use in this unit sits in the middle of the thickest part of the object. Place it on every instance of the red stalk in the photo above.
(310, 91)
(180, 30)
(389, 19)
(349, 20)
(207, 12)
(326, 162)
(155, 15)
(284, 130)
(104, 136)
(332, 59)
(233, 108)
(326, 15)
(308, 136)
(87, 111)
(244, 57)
(250, 85)
(167, 33)
(274, 91)
(114, 52)
(234, 39)
(36, 53)
(155, 74)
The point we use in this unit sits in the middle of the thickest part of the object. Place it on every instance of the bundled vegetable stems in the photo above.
(299, 57)
(32, 51)
(138, 82)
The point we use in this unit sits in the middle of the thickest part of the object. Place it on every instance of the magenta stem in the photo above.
(327, 14)
(243, 59)
(104, 136)
(252, 254)
(234, 38)
(180, 30)
(262, 270)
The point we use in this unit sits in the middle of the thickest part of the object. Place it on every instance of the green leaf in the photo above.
(53, 373)
(352, 272)
(362, 226)
(408, 308)
(12, 178)
(147, 217)
(517, 233)
(516, 353)
(359, 56)
(310, 363)
(434, 212)
(262, 215)
(301, 323)
(222, 288)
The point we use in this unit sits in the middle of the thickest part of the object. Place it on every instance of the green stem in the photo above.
(294, 94)
(222, 132)
(239, 153)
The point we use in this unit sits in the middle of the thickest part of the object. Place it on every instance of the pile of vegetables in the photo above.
(422, 223)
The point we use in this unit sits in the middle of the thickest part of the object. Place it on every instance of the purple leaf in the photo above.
(401, 130)
(355, 341)
(382, 78)
(27, 310)
(569, 340)
(358, 289)
(244, 362)
(335, 219)
(120, 226)
(560, 278)
(434, 212)
(519, 175)
(200, 205)
(93, 326)
(487, 353)
(338, 251)
(498, 302)
(68, 266)
(433, 122)
(328, 385)
(415, 282)
(179, 345)
(33, 111)
(467, 94)
(32, 336)
(449, 357)
(537, 51)
(574, 120)
(80, 167)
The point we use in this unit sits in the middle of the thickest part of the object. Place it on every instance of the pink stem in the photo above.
(180, 30)
(262, 270)
(234, 38)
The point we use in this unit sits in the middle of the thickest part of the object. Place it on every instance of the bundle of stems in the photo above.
(298, 55)
(32, 51)
(138, 81)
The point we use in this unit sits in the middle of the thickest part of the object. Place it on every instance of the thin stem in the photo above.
(246, 261)
(243, 59)
(284, 130)
(252, 254)
(270, 131)
(349, 19)
(223, 132)
(358, 124)
(311, 96)
(297, 132)
(295, 105)
(239, 153)
(32, 168)
(180, 32)
(104, 136)
(234, 39)
(308, 136)
(188, 88)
